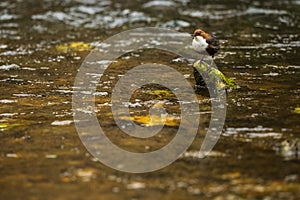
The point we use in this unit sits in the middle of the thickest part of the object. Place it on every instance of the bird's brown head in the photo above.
(199, 32)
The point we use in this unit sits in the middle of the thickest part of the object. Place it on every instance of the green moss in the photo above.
(296, 110)
(214, 77)
(73, 46)
(161, 93)
(6, 125)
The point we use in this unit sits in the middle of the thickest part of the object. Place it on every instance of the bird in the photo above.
(204, 42)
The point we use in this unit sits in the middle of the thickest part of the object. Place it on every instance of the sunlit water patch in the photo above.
(62, 123)
(159, 3)
(93, 17)
(255, 132)
(9, 67)
(226, 13)
(7, 101)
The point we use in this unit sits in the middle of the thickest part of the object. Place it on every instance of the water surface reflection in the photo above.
(41, 154)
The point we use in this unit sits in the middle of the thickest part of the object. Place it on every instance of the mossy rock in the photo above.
(205, 75)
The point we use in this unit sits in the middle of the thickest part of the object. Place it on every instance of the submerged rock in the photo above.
(289, 149)
(73, 46)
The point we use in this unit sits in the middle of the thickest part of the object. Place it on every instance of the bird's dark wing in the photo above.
(213, 42)
(213, 46)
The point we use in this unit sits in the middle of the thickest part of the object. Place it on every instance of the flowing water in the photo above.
(42, 45)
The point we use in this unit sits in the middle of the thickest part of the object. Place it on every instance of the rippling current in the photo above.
(42, 45)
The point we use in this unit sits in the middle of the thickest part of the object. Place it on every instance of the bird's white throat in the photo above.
(199, 43)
